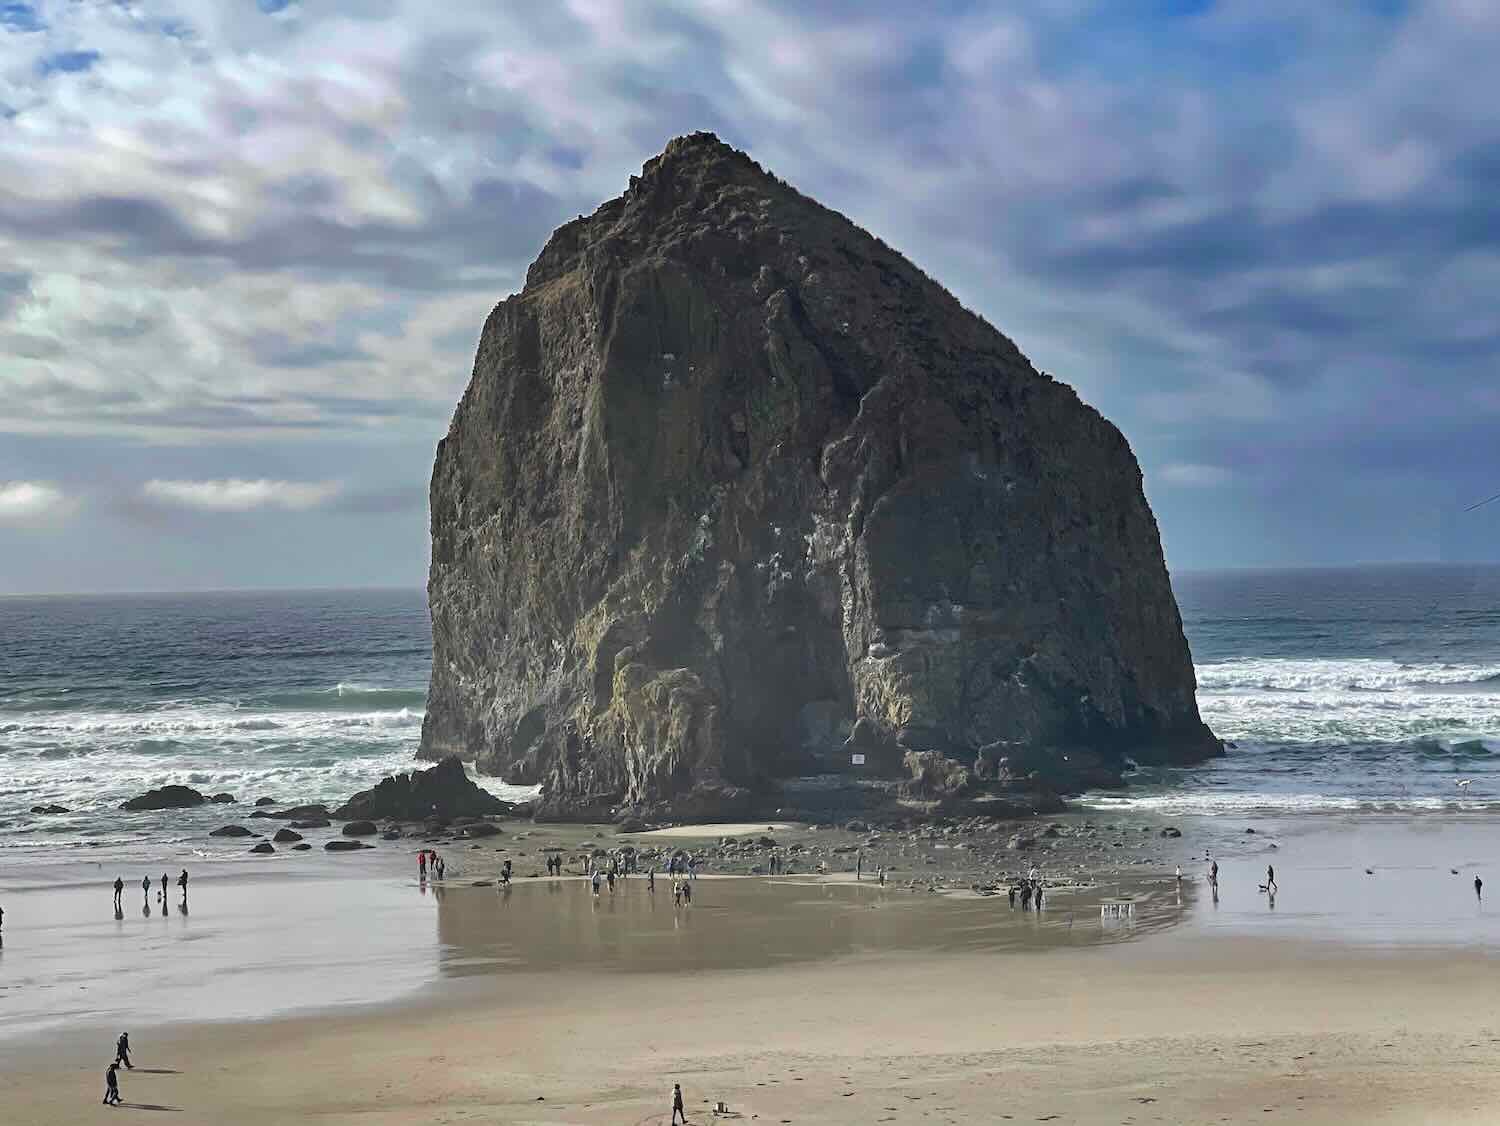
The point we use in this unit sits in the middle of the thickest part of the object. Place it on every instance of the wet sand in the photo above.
(350, 993)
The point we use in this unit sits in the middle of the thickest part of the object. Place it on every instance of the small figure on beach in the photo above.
(611, 878)
(440, 864)
(1270, 879)
(880, 875)
(182, 882)
(1478, 891)
(164, 887)
(859, 865)
(687, 893)
(597, 879)
(1026, 897)
(1213, 874)
(111, 1085)
(119, 889)
(146, 887)
(677, 1111)
(1039, 896)
(1179, 873)
(422, 864)
(1011, 892)
(651, 879)
(676, 893)
(692, 865)
(505, 871)
(122, 1050)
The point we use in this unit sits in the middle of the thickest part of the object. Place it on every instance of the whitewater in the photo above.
(1356, 690)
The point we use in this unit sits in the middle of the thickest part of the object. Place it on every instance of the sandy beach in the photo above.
(357, 995)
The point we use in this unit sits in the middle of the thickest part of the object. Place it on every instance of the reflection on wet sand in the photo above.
(753, 923)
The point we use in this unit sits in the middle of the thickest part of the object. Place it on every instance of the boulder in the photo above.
(360, 829)
(54, 808)
(303, 847)
(286, 836)
(265, 801)
(264, 847)
(342, 846)
(231, 831)
(726, 462)
(934, 776)
(443, 791)
(481, 829)
(222, 799)
(168, 797)
(312, 823)
(1170, 831)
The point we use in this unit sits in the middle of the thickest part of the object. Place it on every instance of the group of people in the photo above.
(428, 858)
(1029, 889)
(111, 1073)
(161, 896)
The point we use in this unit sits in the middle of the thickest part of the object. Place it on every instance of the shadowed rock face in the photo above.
(736, 490)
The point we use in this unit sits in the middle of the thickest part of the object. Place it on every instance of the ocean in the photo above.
(1354, 689)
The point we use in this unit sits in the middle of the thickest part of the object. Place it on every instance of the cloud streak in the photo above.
(25, 502)
(234, 495)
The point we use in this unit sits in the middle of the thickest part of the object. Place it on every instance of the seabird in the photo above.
(1464, 783)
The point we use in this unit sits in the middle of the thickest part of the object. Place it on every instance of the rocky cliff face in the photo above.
(736, 492)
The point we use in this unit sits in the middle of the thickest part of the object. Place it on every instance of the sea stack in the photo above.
(736, 493)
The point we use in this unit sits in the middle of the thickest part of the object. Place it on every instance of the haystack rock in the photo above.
(737, 493)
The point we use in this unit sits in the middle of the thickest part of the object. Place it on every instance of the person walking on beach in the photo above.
(119, 889)
(1038, 896)
(146, 887)
(880, 875)
(1011, 891)
(611, 879)
(163, 887)
(597, 879)
(676, 893)
(859, 865)
(687, 893)
(677, 1110)
(1213, 873)
(111, 1085)
(182, 882)
(1478, 892)
(122, 1050)
(651, 879)
(422, 865)
(1270, 879)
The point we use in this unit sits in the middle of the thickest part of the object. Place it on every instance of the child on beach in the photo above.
(112, 1085)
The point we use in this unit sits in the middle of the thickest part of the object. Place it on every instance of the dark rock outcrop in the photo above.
(168, 797)
(344, 846)
(53, 808)
(295, 813)
(223, 799)
(441, 791)
(360, 829)
(736, 493)
(264, 847)
(231, 831)
(286, 836)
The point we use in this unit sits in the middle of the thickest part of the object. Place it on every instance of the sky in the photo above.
(246, 247)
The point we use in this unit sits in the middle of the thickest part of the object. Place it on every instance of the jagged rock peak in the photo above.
(736, 493)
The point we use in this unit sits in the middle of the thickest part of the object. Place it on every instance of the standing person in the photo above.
(880, 874)
(111, 1085)
(164, 888)
(651, 879)
(676, 893)
(1213, 873)
(1270, 879)
(1025, 897)
(122, 1050)
(119, 888)
(441, 865)
(146, 887)
(677, 1110)
(422, 864)
(687, 892)
(596, 879)
(182, 882)
(611, 878)
(859, 865)
(692, 867)
(1039, 896)
(1478, 893)
(1011, 891)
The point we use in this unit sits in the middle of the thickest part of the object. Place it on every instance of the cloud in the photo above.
(25, 502)
(1249, 228)
(1192, 475)
(235, 495)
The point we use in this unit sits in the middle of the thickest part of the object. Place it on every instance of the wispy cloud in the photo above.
(1193, 475)
(27, 501)
(235, 495)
